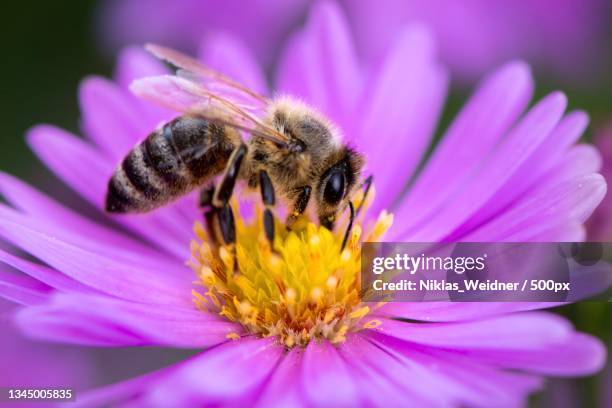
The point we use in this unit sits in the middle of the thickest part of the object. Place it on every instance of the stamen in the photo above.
(304, 289)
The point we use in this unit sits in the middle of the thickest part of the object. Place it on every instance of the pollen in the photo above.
(303, 288)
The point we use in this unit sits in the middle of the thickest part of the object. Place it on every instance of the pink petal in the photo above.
(282, 390)
(320, 65)
(101, 320)
(494, 171)
(134, 256)
(526, 331)
(465, 381)
(112, 118)
(485, 118)
(44, 274)
(543, 208)
(225, 375)
(134, 63)
(451, 312)
(103, 273)
(578, 355)
(547, 155)
(48, 216)
(22, 289)
(384, 381)
(228, 55)
(325, 377)
(65, 154)
(404, 120)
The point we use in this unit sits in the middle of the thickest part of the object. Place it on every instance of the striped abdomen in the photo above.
(170, 162)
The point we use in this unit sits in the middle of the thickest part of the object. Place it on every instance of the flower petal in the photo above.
(22, 289)
(101, 320)
(48, 215)
(282, 390)
(494, 171)
(455, 311)
(65, 154)
(230, 374)
(229, 55)
(44, 274)
(581, 355)
(522, 331)
(492, 109)
(135, 62)
(320, 65)
(112, 118)
(571, 199)
(463, 380)
(371, 366)
(404, 120)
(530, 172)
(325, 377)
(103, 273)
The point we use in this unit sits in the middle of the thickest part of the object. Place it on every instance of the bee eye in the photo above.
(334, 188)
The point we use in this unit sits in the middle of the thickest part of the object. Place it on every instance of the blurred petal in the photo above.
(320, 65)
(111, 117)
(229, 55)
(22, 289)
(134, 63)
(101, 320)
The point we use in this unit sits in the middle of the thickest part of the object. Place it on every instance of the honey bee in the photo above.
(292, 151)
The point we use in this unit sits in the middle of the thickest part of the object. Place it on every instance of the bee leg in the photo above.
(205, 202)
(349, 227)
(367, 184)
(299, 205)
(267, 196)
(225, 188)
(222, 194)
(206, 196)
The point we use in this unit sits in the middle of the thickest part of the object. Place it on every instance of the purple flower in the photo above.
(600, 224)
(289, 329)
(184, 24)
(566, 38)
(27, 363)
(563, 37)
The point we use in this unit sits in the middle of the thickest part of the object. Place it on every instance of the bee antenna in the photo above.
(349, 227)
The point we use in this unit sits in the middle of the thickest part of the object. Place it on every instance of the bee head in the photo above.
(336, 186)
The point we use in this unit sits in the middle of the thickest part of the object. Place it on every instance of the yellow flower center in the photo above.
(305, 288)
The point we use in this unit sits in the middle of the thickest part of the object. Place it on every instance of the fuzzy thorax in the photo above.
(304, 289)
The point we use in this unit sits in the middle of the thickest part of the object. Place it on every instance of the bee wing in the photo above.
(184, 95)
(214, 81)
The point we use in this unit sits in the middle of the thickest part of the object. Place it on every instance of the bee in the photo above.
(292, 151)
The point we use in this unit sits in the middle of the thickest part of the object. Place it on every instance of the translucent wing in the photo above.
(199, 90)
(212, 80)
